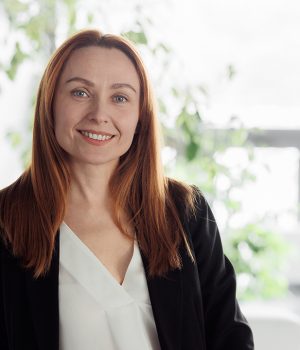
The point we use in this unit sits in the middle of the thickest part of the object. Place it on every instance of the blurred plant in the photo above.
(258, 256)
(196, 148)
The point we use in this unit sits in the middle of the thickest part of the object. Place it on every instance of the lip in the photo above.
(96, 132)
(93, 141)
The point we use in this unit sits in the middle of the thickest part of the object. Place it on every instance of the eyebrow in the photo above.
(90, 83)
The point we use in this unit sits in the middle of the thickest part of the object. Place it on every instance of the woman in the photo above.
(99, 250)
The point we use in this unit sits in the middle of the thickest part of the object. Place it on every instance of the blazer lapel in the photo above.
(43, 303)
(166, 299)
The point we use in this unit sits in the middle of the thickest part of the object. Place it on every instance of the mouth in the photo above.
(94, 135)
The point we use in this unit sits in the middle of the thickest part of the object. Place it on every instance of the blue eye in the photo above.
(120, 99)
(79, 93)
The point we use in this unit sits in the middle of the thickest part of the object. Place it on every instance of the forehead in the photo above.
(100, 63)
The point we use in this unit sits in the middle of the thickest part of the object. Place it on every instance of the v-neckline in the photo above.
(89, 252)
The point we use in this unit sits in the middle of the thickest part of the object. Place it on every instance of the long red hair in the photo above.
(32, 208)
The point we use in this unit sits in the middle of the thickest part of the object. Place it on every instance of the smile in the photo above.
(93, 136)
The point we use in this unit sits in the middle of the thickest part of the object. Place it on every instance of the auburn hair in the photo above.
(33, 207)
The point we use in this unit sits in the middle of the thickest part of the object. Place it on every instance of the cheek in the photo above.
(58, 128)
(131, 129)
(132, 124)
(58, 125)
(61, 125)
(57, 116)
(62, 120)
(126, 124)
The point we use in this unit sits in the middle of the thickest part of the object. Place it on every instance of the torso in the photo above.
(105, 240)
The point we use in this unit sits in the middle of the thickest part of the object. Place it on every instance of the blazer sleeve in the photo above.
(225, 325)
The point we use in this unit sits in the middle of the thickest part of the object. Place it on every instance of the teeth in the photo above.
(95, 136)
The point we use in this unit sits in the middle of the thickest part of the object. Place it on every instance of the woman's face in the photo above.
(96, 105)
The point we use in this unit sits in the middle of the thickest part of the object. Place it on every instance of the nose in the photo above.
(99, 112)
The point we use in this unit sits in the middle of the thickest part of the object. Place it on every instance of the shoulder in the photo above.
(202, 212)
(182, 195)
(3, 214)
(12, 192)
(195, 213)
(12, 198)
(190, 202)
(4, 193)
(199, 222)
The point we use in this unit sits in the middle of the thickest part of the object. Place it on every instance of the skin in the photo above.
(97, 103)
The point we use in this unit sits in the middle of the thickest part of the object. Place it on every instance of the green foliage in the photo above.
(34, 21)
(15, 138)
(136, 37)
(258, 256)
(17, 59)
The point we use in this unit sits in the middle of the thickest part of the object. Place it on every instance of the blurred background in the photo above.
(226, 75)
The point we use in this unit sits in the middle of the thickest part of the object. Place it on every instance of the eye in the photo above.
(79, 93)
(120, 99)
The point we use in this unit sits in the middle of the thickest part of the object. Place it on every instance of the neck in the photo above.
(90, 186)
(89, 196)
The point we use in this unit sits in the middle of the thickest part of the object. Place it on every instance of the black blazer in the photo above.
(194, 308)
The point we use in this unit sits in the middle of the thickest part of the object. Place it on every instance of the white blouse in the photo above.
(95, 311)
